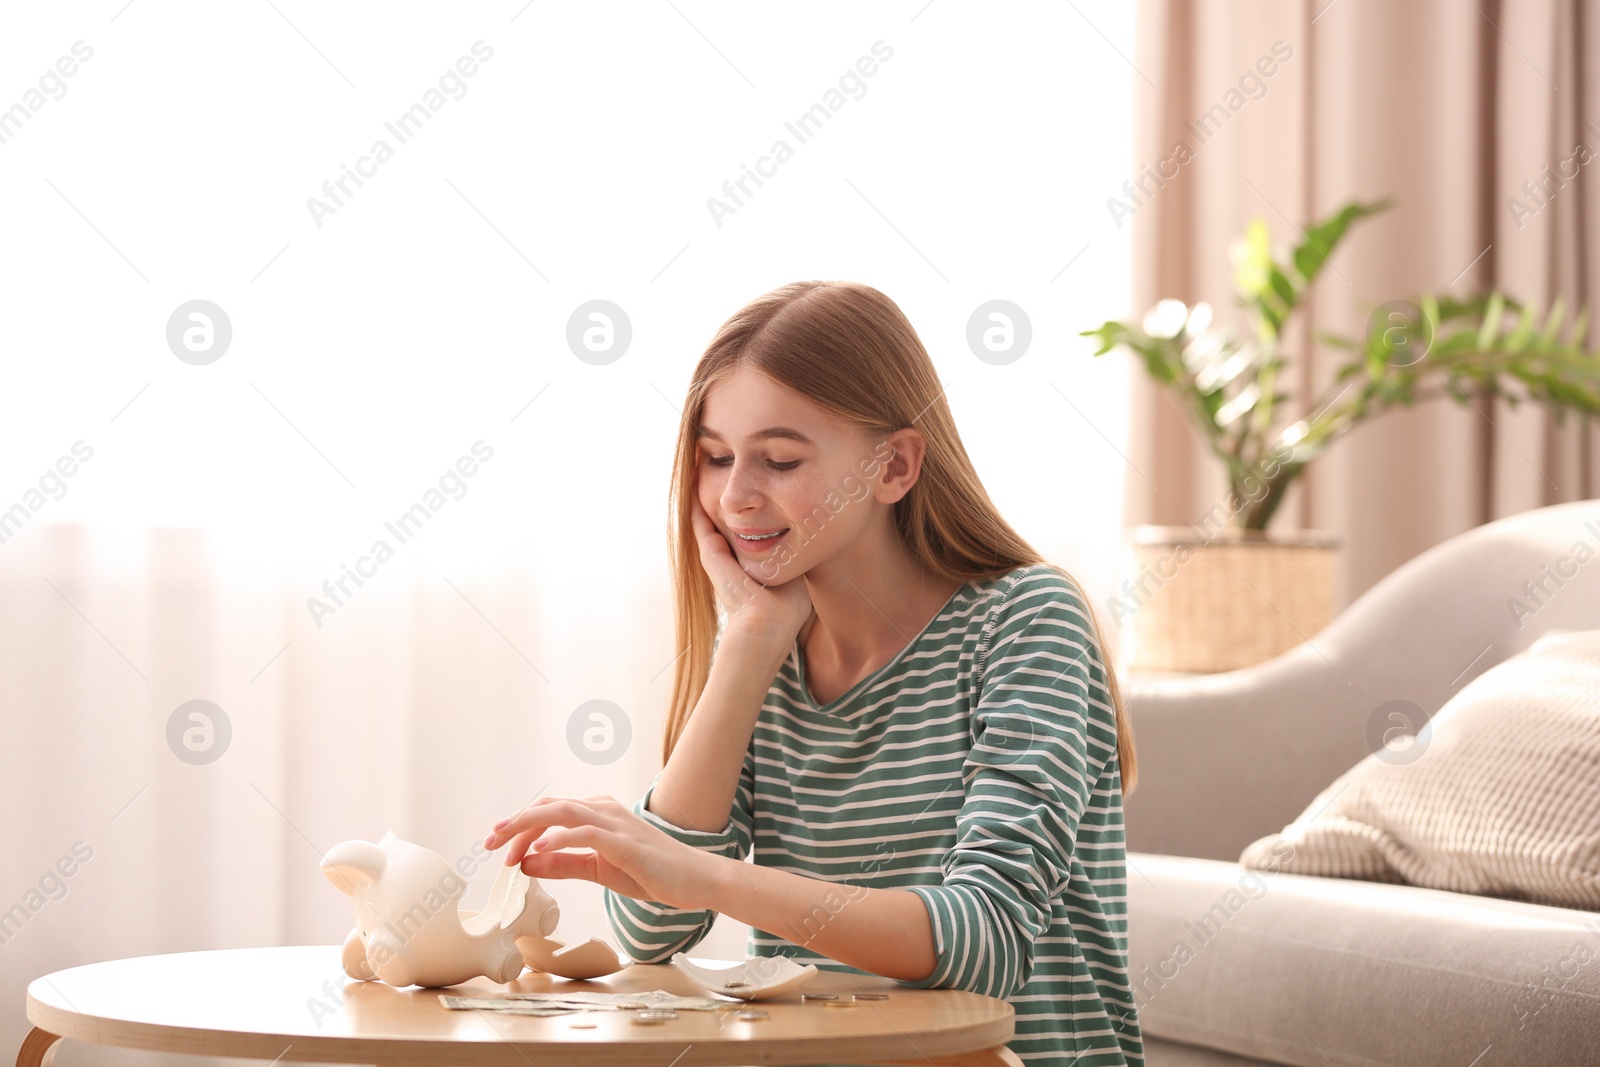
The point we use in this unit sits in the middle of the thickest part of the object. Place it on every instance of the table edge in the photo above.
(794, 1049)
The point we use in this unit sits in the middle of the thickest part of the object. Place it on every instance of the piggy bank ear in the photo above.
(353, 864)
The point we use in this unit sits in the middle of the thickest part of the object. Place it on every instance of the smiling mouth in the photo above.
(756, 544)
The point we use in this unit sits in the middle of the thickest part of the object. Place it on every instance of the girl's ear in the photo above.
(904, 465)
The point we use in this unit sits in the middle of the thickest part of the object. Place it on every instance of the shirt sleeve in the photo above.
(649, 931)
(1043, 729)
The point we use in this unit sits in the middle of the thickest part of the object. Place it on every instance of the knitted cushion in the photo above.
(1500, 795)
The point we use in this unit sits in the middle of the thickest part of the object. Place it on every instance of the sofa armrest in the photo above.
(1227, 758)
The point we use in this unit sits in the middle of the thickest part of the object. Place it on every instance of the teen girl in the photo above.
(906, 714)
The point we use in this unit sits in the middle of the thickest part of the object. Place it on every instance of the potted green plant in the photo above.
(1227, 380)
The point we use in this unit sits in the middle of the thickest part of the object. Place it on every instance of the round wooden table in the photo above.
(296, 1003)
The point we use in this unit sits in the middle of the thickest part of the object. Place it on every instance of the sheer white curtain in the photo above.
(166, 524)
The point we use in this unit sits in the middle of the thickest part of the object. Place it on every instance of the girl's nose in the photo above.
(739, 492)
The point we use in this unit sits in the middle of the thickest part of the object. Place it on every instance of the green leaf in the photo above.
(1552, 323)
(1524, 332)
(1252, 256)
(1491, 322)
(1281, 286)
(1270, 316)
(1108, 335)
(1455, 344)
(1160, 355)
(1321, 238)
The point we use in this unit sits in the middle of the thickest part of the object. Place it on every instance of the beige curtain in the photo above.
(433, 703)
(1447, 106)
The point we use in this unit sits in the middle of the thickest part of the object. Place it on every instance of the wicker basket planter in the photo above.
(1236, 598)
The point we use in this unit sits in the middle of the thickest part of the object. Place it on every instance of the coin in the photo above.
(819, 996)
(582, 1026)
(735, 984)
(869, 996)
(637, 1021)
(656, 1014)
(837, 1004)
(752, 1014)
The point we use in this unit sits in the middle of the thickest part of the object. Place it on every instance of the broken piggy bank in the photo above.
(410, 931)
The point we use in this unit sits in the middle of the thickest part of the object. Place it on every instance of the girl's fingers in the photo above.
(706, 538)
(560, 865)
(616, 840)
(528, 824)
(592, 866)
(518, 827)
(535, 816)
(513, 824)
(590, 837)
(520, 844)
(717, 559)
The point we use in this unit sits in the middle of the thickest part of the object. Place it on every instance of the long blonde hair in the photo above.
(850, 350)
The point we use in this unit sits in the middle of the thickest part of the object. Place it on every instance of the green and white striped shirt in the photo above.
(977, 769)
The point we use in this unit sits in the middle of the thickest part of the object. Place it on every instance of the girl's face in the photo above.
(813, 478)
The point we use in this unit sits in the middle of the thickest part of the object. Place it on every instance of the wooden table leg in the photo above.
(38, 1049)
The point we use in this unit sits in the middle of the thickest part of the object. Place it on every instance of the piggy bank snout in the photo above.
(353, 864)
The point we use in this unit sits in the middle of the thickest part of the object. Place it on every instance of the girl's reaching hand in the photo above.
(629, 856)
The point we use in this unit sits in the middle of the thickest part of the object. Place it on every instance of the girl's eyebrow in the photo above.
(769, 433)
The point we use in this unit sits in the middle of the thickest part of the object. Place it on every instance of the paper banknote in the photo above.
(560, 1003)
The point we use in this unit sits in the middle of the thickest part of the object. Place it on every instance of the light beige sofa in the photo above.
(1232, 966)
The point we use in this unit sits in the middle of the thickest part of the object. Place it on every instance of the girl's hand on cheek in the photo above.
(628, 855)
(774, 610)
